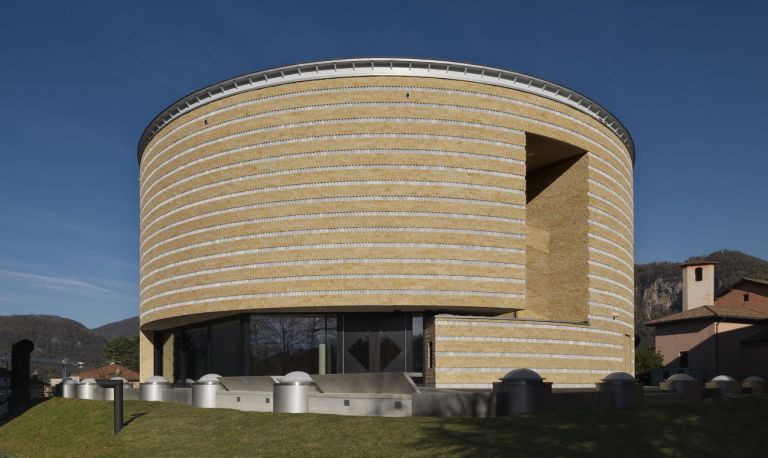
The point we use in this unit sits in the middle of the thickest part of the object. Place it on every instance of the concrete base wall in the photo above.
(429, 402)
(380, 405)
(453, 404)
(249, 401)
(178, 396)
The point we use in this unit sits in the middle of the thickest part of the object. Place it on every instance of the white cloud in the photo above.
(47, 281)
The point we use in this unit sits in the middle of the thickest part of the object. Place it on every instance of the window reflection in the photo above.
(195, 352)
(417, 332)
(283, 343)
(275, 344)
(225, 348)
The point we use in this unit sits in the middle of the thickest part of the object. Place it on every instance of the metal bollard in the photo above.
(521, 391)
(755, 385)
(69, 389)
(620, 390)
(725, 384)
(291, 392)
(152, 389)
(204, 391)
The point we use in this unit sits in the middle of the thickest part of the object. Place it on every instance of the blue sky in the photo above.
(80, 81)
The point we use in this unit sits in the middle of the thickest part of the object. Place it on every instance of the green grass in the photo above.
(67, 427)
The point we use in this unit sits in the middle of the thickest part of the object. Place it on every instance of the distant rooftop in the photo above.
(109, 371)
(733, 286)
(711, 312)
(752, 280)
(698, 263)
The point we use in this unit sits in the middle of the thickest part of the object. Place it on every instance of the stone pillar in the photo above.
(146, 354)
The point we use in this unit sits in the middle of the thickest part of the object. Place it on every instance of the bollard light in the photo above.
(117, 386)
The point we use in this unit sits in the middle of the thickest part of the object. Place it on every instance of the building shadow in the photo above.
(724, 352)
(669, 430)
(5, 418)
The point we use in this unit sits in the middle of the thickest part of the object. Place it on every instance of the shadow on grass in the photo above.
(5, 418)
(132, 418)
(701, 429)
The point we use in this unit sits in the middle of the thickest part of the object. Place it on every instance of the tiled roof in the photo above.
(109, 371)
(699, 263)
(755, 280)
(711, 312)
(733, 286)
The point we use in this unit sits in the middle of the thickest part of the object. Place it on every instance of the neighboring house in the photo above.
(109, 371)
(728, 337)
(747, 292)
(37, 387)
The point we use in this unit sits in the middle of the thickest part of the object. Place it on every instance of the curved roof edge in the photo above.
(386, 66)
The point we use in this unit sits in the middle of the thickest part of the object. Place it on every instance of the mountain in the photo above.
(658, 287)
(55, 338)
(128, 327)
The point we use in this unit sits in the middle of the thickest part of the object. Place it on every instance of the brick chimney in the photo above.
(698, 284)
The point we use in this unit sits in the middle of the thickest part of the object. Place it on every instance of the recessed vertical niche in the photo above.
(557, 226)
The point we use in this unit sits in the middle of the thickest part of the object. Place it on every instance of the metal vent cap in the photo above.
(294, 377)
(681, 378)
(619, 377)
(210, 379)
(522, 375)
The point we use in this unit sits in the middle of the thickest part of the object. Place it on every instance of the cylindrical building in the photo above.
(371, 215)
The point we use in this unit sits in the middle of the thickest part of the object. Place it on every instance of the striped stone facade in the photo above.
(402, 191)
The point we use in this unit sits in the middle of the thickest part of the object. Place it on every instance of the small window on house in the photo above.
(746, 297)
(699, 274)
(684, 359)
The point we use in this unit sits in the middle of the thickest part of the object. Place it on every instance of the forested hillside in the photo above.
(123, 328)
(55, 338)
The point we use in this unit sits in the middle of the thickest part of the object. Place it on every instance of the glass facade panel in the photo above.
(361, 351)
(292, 342)
(225, 348)
(417, 341)
(194, 353)
(275, 344)
(388, 352)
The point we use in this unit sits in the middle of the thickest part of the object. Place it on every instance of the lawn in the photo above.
(69, 427)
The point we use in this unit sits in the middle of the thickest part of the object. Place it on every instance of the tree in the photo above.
(124, 351)
(648, 359)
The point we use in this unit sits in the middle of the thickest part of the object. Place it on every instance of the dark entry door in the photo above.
(375, 342)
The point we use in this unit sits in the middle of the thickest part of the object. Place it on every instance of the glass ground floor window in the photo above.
(282, 343)
(319, 343)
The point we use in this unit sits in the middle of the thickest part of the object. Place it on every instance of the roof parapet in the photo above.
(383, 66)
